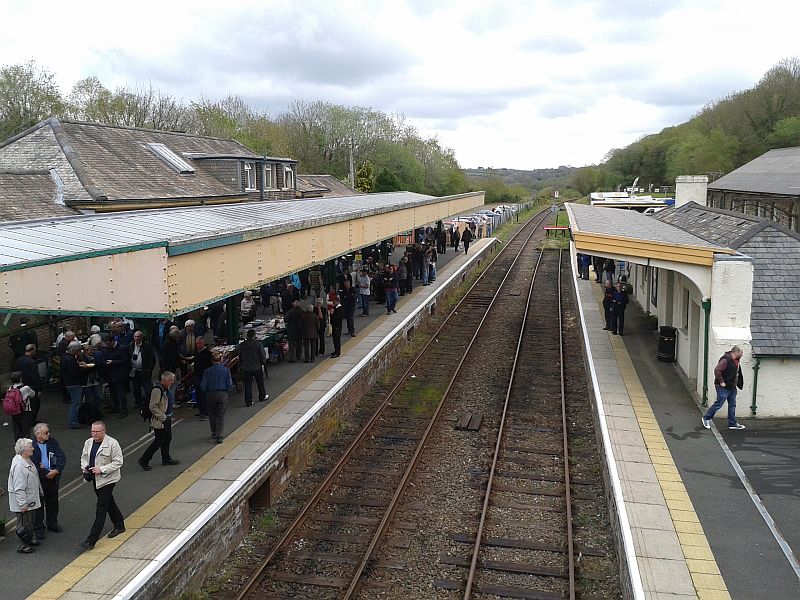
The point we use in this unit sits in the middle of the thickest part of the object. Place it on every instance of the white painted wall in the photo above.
(778, 382)
(691, 188)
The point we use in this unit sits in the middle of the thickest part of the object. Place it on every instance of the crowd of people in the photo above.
(615, 296)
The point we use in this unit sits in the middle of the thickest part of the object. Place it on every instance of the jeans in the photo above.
(391, 300)
(105, 506)
(425, 275)
(364, 304)
(75, 394)
(723, 394)
(432, 274)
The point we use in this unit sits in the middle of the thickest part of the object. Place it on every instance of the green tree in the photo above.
(786, 133)
(365, 177)
(28, 94)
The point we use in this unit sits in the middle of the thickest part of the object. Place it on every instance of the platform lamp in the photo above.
(706, 302)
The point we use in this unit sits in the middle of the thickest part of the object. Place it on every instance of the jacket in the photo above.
(729, 371)
(348, 297)
(309, 326)
(157, 340)
(171, 359)
(251, 355)
(24, 487)
(108, 458)
(292, 321)
(322, 316)
(30, 372)
(620, 300)
(159, 402)
(202, 361)
(217, 378)
(467, 236)
(71, 373)
(120, 366)
(58, 459)
(336, 317)
(148, 357)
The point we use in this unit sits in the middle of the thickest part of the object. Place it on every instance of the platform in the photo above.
(694, 530)
(158, 526)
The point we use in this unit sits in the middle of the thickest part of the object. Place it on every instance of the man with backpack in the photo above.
(17, 405)
(159, 413)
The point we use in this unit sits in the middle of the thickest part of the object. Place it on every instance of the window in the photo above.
(250, 178)
(269, 178)
(288, 178)
(172, 160)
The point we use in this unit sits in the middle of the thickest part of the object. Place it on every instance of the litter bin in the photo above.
(666, 344)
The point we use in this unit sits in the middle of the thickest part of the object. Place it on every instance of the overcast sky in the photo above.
(519, 84)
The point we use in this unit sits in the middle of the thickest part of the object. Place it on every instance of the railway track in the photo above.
(329, 546)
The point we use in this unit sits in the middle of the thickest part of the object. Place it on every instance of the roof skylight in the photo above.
(175, 162)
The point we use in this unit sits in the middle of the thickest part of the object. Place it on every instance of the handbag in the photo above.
(329, 330)
(25, 535)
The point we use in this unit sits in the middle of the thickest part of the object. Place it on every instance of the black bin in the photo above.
(666, 344)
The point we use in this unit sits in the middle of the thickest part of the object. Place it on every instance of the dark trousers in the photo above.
(26, 519)
(140, 385)
(619, 321)
(217, 401)
(22, 424)
(365, 304)
(105, 506)
(337, 340)
(36, 404)
(409, 279)
(161, 439)
(295, 347)
(248, 385)
(609, 314)
(466, 247)
(199, 396)
(47, 515)
(321, 341)
(119, 396)
(309, 350)
(351, 322)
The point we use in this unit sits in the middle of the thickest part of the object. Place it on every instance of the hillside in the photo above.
(517, 177)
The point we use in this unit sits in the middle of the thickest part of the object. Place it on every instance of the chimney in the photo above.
(690, 188)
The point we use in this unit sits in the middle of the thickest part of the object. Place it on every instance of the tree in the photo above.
(785, 134)
(365, 177)
(28, 95)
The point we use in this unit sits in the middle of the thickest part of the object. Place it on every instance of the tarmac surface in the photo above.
(191, 440)
(750, 558)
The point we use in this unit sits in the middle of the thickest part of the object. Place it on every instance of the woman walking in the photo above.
(24, 492)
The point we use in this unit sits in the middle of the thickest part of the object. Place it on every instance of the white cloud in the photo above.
(513, 83)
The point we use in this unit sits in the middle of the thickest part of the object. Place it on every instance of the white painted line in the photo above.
(616, 486)
(754, 497)
(152, 566)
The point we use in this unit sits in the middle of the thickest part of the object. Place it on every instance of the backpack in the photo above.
(12, 402)
(145, 412)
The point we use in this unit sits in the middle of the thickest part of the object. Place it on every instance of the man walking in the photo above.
(50, 460)
(160, 422)
(467, 238)
(348, 296)
(216, 384)
(727, 378)
(101, 463)
(252, 358)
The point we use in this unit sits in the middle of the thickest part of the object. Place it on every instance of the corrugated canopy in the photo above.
(28, 243)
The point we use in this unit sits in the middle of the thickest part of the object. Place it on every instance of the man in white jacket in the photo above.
(101, 462)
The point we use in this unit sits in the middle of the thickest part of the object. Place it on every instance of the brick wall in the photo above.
(200, 557)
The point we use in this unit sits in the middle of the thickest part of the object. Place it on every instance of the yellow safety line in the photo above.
(707, 580)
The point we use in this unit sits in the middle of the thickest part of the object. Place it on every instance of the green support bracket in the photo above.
(707, 309)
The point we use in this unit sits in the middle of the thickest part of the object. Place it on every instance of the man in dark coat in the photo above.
(467, 238)
(27, 365)
(252, 359)
(337, 316)
(118, 367)
(620, 299)
(158, 335)
(727, 379)
(309, 327)
(142, 358)
(293, 332)
(202, 361)
(50, 460)
(287, 298)
(348, 296)
(608, 305)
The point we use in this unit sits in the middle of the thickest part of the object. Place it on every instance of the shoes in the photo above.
(606, 328)
(334, 355)
(204, 417)
(352, 334)
(737, 426)
(87, 545)
(388, 312)
(614, 333)
(249, 403)
(36, 542)
(706, 423)
(264, 399)
(116, 531)
(25, 550)
(144, 465)
(171, 461)
(393, 310)
(620, 334)
(55, 528)
(219, 439)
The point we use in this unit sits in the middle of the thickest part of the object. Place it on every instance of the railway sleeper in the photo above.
(503, 592)
(524, 545)
(518, 568)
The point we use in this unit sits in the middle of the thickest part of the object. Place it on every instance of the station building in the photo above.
(720, 278)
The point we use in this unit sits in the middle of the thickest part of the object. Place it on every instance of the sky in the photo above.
(510, 84)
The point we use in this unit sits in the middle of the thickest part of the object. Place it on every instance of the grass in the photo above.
(266, 520)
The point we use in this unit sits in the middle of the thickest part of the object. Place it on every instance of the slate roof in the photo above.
(29, 195)
(325, 186)
(100, 162)
(775, 172)
(632, 224)
(775, 317)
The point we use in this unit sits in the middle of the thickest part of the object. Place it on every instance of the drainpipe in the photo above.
(707, 308)
(649, 276)
(756, 367)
